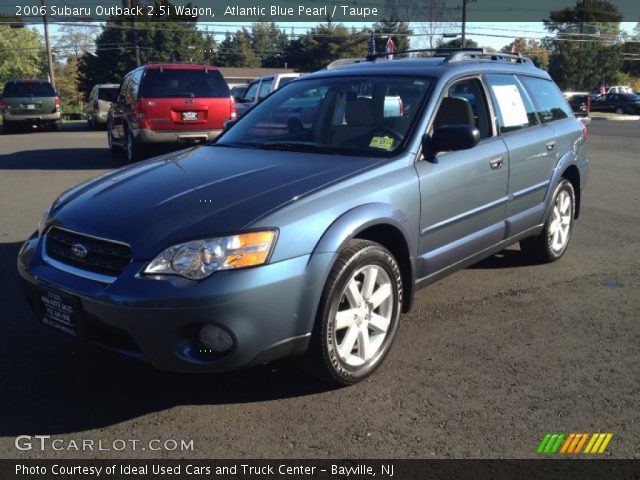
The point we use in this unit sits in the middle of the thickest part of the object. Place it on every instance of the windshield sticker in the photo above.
(511, 105)
(385, 143)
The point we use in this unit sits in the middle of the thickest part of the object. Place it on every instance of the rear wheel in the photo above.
(132, 148)
(619, 110)
(8, 127)
(554, 239)
(57, 126)
(358, 314)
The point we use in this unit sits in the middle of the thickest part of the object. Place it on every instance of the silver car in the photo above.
(99, 102)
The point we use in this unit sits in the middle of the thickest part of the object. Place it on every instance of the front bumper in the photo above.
(144, 135)
(268, 310)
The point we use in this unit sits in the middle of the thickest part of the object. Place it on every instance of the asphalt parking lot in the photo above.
(489, 360)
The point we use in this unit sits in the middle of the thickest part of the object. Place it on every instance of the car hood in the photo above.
(198, 193)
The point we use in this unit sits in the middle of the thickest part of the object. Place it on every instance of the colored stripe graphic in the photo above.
(573, 443)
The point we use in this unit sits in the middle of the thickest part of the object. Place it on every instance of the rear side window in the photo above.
(265, 88)
(187, 83)
(512, 104)
(550, 103)
(108, 94)
(285, 80)
(28, 89)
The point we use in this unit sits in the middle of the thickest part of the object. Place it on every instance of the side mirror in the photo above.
(227, 125)
(449, 138)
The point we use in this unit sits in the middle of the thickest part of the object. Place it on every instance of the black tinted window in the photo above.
(28, 89)
(168, 83)
(550, 103)
(108, 94)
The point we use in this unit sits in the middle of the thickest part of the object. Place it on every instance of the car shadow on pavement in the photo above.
(52, 384)
(61, 159)
(504, 259)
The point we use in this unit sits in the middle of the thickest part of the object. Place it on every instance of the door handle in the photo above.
(551, 146)
(496, 163)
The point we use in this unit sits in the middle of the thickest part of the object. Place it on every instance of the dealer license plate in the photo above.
(189, 116)
(59, 311)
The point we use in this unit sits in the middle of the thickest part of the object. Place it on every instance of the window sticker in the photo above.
(511, 105)
(384, 143)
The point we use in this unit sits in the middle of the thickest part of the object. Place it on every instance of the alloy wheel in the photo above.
(364, 315)
(560, 225)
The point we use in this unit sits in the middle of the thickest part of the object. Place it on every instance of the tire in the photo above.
(113, 148)
(619, 110)
(8, 128)
(551, 243)
(131, 149)
(347, 352)
(57, 126)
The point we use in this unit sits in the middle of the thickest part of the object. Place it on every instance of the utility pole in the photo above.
(464, 20)
(48, 45)
(129, 4)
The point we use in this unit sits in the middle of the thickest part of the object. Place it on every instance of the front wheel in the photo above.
(358, 314)
(553, 241)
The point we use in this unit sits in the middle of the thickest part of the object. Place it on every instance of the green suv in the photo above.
(30, 102)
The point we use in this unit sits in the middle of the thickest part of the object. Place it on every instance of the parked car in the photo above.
(260, 88)
(238, 91)
(580, 103)
(99, 102)
(617, 102)
(168, 104)
(27, 103)
(285, 237)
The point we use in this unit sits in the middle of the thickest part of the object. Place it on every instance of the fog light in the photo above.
(215, 338)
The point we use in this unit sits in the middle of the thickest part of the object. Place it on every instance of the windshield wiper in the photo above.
(295, 147)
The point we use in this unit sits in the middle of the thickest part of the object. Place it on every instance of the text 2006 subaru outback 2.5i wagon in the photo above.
(308, 225)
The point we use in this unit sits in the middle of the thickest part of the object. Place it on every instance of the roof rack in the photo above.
(459, 54)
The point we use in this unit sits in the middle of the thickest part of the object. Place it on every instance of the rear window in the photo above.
(171, 83)
(108, 94)
(28, 89)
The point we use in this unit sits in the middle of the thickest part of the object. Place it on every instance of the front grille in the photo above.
(105, 257)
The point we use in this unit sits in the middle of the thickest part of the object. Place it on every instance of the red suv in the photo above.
(168, 104)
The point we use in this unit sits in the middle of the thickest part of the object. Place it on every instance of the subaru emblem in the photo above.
(79, 250)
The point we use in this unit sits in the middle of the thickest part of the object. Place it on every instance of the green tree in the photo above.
(236, 50)
(22, 53)
(270, 43)
(631, 64)
(457, 43)
(530, 48)
(585, 49)
(325, 43)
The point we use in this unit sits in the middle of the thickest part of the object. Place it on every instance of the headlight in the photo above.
(200, 258)
(43, 220)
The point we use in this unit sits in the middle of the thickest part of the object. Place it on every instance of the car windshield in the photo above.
(108, 94)
(188, 83)
(28, 89)
(370, 116)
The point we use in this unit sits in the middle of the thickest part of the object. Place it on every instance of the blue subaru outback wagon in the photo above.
(307, 227)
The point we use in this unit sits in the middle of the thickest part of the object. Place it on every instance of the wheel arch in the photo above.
(572, 174)
(383, 224)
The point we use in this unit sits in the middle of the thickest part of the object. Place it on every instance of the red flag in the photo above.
(388, 49)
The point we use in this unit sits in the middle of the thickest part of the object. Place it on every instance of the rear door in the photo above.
(179, 98)
(532, 151)
(118, 110)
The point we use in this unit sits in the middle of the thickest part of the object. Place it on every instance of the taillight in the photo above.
(57, 102)
(141, 114)
(401, 107)
(585, 131)
(234, 110)
(4, 103)
(588, 104)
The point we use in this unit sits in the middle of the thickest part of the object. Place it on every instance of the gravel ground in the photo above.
(489, 360)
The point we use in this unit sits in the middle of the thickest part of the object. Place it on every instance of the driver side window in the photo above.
(464, 103)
